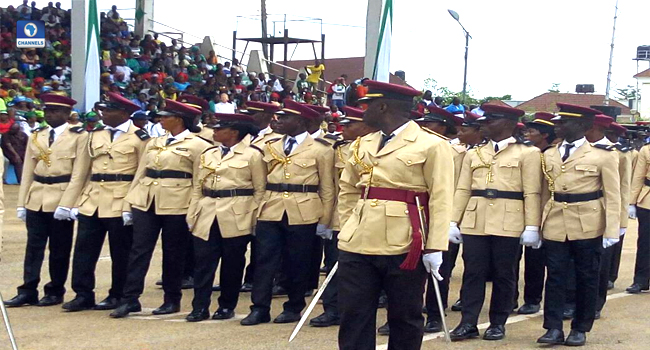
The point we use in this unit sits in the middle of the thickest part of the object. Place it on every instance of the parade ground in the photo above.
(624, 322)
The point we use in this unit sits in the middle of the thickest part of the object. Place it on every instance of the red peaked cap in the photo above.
(352, 112)
(256, 106)
(604, 121)
(299, 109)
(196, 102)
(496, 111)
(471, 119)
(179, 109)
(378, 89)
(319, 109)
(574, 111)
(120, 102)
(52, 100)
(617, 128)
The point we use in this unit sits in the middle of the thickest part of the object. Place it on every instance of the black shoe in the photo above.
(384, 330)
(610, 285)
(278, 290)
(167, 308)
(50, 300)
(569, 313)
(464, 331)
(255, 317)
(223, 314)
(198, 315)
(126, 308)
(159, 282)
(187, 283)
(576, 338)
(637, 288)
(287, 317)
(309, 293)
(245, 288)
(597, 315)
(495, 332)
(552, 336)
(528, 309)
(325, 319)
(79, 304)
(21, 299)
(383, 301)
(216, 288)
(110, 303)
(458, 306)
(432, 326)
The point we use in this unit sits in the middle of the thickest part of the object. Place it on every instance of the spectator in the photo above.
(302, 84)
(30, 123)
(315, 73)
(141, 101)
(224, 105)
(455, 106)
(14, 145)
(338, 93)
(25, 7)
(5, 121)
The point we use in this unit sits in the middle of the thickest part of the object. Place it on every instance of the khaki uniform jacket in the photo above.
(260, 140)
(171, 196)
(459, 152)
(241, 168)
(342, 154)
(310, 163)
(207, 134)
(66, 156)
(625, 172)
(414, 160)
(639, 191)
(515, 168)
(120, 156)
(588, 169)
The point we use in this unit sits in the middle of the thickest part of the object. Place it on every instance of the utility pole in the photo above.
(611, 57)
(265, 50)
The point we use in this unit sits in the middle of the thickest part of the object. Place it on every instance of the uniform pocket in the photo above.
(310, 208)
(175, 193)
(124, 155)
(514, 217)
(398, 224)
(587, 170)
(469, 217)
(591, 215)
(244, 214)
(349, 228)
(509, 169)
(238, 164)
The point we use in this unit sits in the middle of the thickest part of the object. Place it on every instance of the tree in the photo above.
(555, 88)
(628, 93)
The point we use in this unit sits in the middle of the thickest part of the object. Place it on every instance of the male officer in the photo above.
(114, 150)
(496, 208)
(381, 239)
(297, 205)
(581, 217)
(54, 163)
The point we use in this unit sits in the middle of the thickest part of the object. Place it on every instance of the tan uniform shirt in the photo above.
(207, 134)
(266, 135)
(120, 156)
(171, 196)
(342, 153)
(66, 156)
(639, 191)
(459, 153)
(413, 160)
(515, 168)
(625, 172)
(588, 169)
(310, 163)
(241, 168)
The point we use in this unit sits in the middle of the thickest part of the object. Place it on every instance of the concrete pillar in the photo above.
(143, 17)
(644, 102)
(85, 53)
(373, 23)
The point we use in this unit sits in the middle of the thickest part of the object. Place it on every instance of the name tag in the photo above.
(181, 149)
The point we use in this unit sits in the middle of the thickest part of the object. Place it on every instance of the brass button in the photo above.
(287, 175)
(565, 203)
(285, 194)
(105, 163)
(406, 211)
(564, 171)
(564, 188)
(595, 209)
(508, 164)
(408, 162)
(155, 182)
(289, 161)
(105, 168)
(491, 204)
(563, 167)
(375, 163)
(219, 163)
(566, 207)
(303, 164)
(493, 163)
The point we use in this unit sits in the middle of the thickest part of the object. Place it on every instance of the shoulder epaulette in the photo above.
(99, 128)
(622, 148)
(77, 129)
(524, 142)
(323, 142)
(206, 140)
(605, 147)
(331, 137)
(434, 133)
(340, 143)
(209, 148)
(40, 128)
(142, 134)
(257, 148)
(273, 140)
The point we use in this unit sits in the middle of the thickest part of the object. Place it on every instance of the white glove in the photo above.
(608, 242)
(631, 211)
(62, 213)
(530, 236)
(323, 232)
(454, 233)
(74, 213)
(432, 262)
(622, 231)
(21, 213)
(127, 218)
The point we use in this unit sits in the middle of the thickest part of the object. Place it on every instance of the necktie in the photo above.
(224, 151)
(496, 147)
(51, 137)
(290, 143)
(169, 140)
(567, 147)
(384, 140)
(113, 131)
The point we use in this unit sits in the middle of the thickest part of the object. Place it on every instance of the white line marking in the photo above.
(158, 317)
(236, 318)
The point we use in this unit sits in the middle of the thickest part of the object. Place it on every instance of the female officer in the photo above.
(231, 184)
(160, 196)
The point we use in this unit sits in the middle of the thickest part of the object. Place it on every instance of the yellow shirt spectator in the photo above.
(315, 72)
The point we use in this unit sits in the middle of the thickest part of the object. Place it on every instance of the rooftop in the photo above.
(546, 102)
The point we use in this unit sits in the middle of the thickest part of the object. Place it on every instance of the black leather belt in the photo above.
(578, 197)
(167, 174)
(291, 188)
(492, 194)
(111, 177)
(646, 182)
(228, 193)
(49, 180)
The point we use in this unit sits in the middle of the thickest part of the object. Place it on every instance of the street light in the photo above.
(456, 17)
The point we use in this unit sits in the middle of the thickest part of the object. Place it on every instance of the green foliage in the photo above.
(555, 87)
(448, 95)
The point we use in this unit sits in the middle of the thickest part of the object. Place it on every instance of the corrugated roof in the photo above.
(546, 102)
(644, 74)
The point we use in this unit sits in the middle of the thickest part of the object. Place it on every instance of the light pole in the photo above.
(455, 16)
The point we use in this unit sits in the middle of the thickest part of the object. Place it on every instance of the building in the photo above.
(546, 102)
(643, 79)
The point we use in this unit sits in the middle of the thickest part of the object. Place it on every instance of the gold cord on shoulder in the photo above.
(44, 154)
(490, 176)
(366, 169)
(549, 178)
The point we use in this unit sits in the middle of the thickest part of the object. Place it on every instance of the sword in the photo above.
(423, 228)
(314, 301)
(5, 316)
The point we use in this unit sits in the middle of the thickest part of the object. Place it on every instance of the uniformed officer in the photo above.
(114, 152)
(160, 196)
(496, 208)
(297, 205)
(53, 163)
(232, 182)
(353, 127)
(381, 240)
(581, 217)
(202, 105)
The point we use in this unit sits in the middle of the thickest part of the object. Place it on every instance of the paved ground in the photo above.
(624, 324)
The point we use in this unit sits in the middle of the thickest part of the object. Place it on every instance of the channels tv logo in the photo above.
(30, 34)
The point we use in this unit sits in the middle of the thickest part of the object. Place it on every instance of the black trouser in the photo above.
(272, 238)
(534, 271)
(448, 263)
(642, 264)
(91, 234)
(331, 251)
(361, 279)
(330, 295)
(188, 271)
(316, 262)
(250, 269)
(232, 253)
(586, 256)
(616, 260)
(603, 275)
(146, 229)
(42, 226)
(484, 255)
